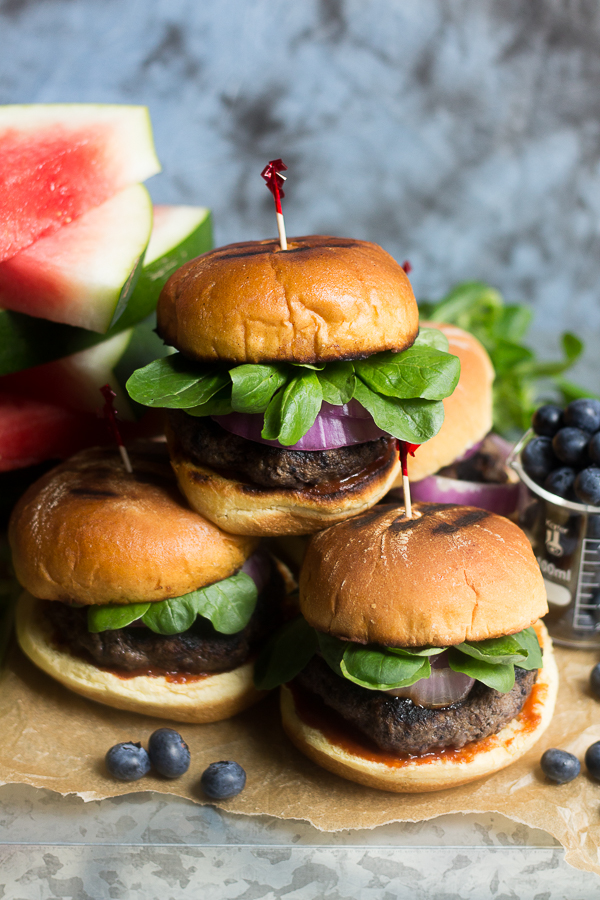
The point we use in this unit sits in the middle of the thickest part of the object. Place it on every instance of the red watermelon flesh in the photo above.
(77, 274)
(32, 431)
(58, 161)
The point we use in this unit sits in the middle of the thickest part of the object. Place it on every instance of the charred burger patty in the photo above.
(201, 649)
(207, 444)
(397, 725)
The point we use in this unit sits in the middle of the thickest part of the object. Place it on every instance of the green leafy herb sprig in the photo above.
(402, 391)
(228, 604)
(522, 381)
(385, 668)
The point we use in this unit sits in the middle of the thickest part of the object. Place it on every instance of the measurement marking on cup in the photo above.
(588, 583)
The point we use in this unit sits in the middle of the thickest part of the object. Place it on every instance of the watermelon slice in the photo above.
(59, 160)
(75, 381)
(26, 341)
(85, 271)
(179, 233)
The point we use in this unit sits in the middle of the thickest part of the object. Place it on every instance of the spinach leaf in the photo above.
(337, 382)
(372, 667)
(495, 650)
(432, 337)
(228, 604)
(110, 618)
(415, 421)
(254, 385)
(218, 405)
(529, 642)
(500, 677)
(285, 654)
(300, 405)
(417, 372)
(175, 383)
(172, 616)
(272, 419)
(380, 670)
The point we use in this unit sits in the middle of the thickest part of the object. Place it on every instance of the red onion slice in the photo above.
(258, 567)
(335, 426)
(502, 499)
(443, 687)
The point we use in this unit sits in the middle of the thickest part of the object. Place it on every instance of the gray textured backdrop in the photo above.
(463, 135)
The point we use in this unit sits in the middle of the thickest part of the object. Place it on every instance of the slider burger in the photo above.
(419, 662)
(133, 599)
(463, 463)
(298, 371)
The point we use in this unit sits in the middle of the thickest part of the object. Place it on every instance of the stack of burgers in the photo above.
(297, 375)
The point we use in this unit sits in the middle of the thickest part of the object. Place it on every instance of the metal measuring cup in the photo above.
(565, 537)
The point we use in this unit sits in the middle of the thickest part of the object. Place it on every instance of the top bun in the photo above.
(324, 298)
(88, 532)
(468, 410)
(450, 574)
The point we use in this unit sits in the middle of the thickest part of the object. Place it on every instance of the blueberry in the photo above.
(595, 680)
(538, 458)
(594, 448)
(560, 766)
(169, 753)
(547, 420)
(592, 760)
(127, 761)
(587, 486)
(223, 780)
(570, 445)
(560, 482)
(584, 413)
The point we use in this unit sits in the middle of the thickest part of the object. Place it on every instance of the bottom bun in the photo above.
(241, 508)
(441, 770)
(210, 699)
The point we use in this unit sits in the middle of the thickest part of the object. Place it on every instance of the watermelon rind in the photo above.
(85, 271)
(179, 233)
(29, 341)
(45, 183)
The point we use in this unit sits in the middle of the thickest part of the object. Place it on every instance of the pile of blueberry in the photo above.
(169, 755)
(564, 457)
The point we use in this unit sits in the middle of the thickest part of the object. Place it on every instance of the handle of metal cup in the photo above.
(514, 461)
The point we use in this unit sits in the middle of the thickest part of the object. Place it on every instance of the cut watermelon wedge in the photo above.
(57, 161)
(179, 233)
(83, 273)
(75, 381)
(26, 341)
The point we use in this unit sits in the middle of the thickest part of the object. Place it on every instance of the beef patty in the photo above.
(207, 444)
(396, 725)
(198, 650)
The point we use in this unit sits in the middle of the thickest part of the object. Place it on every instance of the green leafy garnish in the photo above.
(500, 676)
(522, 382)
(285, 654)
(228, 604)
(380, 668)
(253, 386)
(418, 372)
(402, 391)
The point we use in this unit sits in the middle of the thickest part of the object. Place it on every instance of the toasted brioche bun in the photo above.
(467, 411)
(89, 531)
(324, 298)
(450, 574)
(241, 508)
(209, 699)
(438, 771)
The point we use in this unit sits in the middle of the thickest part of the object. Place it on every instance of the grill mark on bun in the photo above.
(92, 492)
(470, 518)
